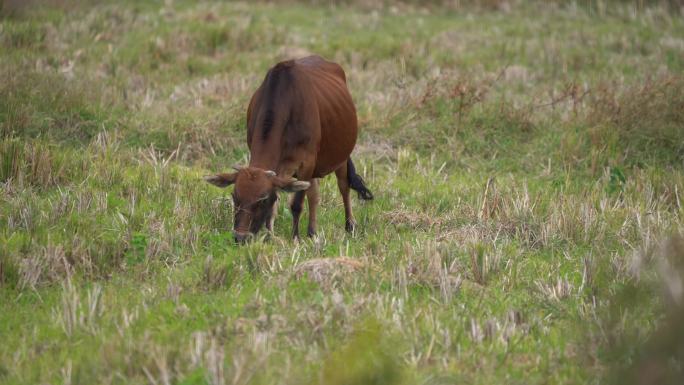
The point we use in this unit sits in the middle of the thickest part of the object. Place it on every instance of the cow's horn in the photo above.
(238, 167)
(270, 173)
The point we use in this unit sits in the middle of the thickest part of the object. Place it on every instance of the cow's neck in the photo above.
(267, 155)
(268, 139)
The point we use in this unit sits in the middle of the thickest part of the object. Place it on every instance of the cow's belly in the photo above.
(336, 146)
(323, 169)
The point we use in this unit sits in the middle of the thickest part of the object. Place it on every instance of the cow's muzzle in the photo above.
(241, 236)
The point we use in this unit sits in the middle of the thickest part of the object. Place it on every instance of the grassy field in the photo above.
(527, 161)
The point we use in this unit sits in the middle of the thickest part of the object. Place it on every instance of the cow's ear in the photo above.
(221, 180)
(291, 184)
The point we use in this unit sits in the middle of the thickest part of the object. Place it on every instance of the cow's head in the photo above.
(254, 196)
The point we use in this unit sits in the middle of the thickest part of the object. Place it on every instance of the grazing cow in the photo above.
(301, 125)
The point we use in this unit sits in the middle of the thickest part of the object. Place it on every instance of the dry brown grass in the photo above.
(325, 271)
(47, 266)
(641, 119)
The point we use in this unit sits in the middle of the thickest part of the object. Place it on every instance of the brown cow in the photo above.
(301, 125)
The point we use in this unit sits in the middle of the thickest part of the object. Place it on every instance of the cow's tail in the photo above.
(356, 182)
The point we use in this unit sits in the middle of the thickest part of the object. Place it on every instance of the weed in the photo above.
(527, 162)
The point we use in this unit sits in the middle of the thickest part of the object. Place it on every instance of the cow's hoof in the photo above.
(350, 225)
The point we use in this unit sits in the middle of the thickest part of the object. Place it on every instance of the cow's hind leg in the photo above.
(343, 184)
(313, 198)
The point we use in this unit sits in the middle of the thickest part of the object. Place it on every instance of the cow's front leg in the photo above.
(270, 219)
(313, 198)
(296, 209)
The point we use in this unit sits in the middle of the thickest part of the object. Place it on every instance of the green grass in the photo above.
(527, 163)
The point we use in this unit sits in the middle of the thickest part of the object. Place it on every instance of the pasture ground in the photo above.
(527, 161)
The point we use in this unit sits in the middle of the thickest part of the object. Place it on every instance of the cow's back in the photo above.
(311, 111)
(337, 115)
